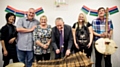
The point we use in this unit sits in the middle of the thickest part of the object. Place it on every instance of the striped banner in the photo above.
(20, 13)
(93, 12)
(10, 9)
(113, 10)
(85, 9)
(39, 11)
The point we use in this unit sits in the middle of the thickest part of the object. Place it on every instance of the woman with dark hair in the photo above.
(8, 37)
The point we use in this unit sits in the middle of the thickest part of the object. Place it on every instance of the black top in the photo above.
(7, 32)
(88, 25)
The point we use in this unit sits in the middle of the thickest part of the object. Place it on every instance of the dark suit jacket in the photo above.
(68, 38)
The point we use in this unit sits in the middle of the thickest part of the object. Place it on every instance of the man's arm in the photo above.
(25, 30)
(3, 31)
(20, 27)
(53, 40)
(70, 42)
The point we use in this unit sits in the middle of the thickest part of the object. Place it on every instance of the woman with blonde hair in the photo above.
(42, 39)
(82, 35)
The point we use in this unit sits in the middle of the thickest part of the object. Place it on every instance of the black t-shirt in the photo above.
(88, 25)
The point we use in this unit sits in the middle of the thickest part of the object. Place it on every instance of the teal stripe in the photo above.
(86, 12)
(115, 11)
(8, 11)
(93, 14)
(39, 13)
(19, 15)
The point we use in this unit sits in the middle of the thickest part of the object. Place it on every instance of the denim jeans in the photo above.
(26, 57)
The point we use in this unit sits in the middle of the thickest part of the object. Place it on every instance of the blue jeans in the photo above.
(26, 57)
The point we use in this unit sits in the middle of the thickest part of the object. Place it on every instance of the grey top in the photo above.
(25, 41)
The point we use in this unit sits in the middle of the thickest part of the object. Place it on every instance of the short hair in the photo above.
(59, 18)
(100, 9)
(31, 9)
(8, 15)
(43, 16)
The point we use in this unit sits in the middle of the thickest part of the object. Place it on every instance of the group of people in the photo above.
(32, 39)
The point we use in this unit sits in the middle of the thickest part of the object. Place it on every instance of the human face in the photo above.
(11, 19)
(101, 13)
(31, 14)
(43, 20)
(59, 24)
(81, 18)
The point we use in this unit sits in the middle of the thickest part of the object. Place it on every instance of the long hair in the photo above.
(85, 18)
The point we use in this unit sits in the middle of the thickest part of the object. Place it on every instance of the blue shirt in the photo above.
(25, 41)
(99, 26)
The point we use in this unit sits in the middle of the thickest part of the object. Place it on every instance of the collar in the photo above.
(29, 20)
(100, 19)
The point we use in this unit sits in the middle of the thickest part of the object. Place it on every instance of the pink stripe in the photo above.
(93, 10)
(38, 9)
(112, 8)
(11, 8)
(20, 11)
(86, 7)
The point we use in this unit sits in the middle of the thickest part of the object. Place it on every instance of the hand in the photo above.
(102, 35)
(5, 53)
(11, 40)
(89, 45)
(45, 46)
(76, 45)
(33, 28)
(67, 52)
(57, 51)
(109, 36)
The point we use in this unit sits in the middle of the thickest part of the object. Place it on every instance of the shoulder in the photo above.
(74, 25)
(94, 20)
(54, 29)
(49, 26)
(36, 21)
(109, 19)
(68, 26)
(22, 18)
(89, 24)
(5, 27)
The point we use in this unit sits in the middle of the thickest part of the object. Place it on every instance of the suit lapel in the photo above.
(57, 33)
(65, 32)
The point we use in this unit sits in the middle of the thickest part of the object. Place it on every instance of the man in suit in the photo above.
(62, 38)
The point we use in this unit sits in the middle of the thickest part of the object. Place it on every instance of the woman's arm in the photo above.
(74, 37)
(5, 52)
(91, 34)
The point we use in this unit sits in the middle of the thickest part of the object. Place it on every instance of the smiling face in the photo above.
(30, 13)
(81, 18)
(11, 19)
(43, 20)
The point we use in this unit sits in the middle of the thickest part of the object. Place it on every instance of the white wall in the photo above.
(69, 15)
